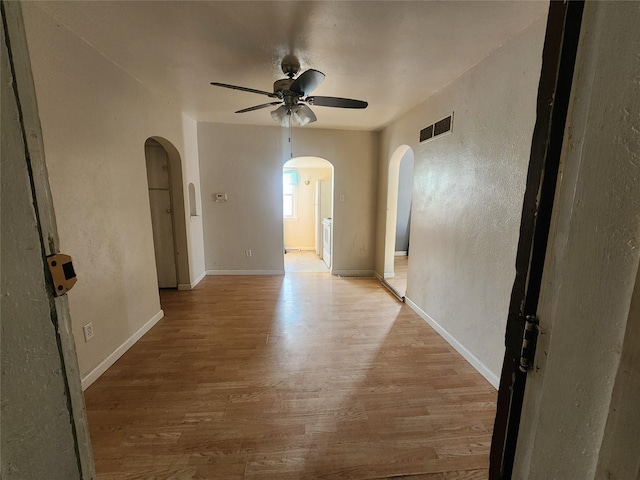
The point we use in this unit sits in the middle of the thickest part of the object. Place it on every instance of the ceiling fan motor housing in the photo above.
(290, 65)
(281, 86)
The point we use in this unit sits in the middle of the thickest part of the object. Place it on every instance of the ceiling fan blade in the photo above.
(258, 107)
(307, 82)
(245, 89)
(336, 102)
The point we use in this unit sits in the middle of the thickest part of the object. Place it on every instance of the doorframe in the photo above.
(554, 90)
(179, 212)
(15, 41)
(393, 185)
(327, 164)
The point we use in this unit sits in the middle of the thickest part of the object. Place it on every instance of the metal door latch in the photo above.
(62, 273)
(529, 338)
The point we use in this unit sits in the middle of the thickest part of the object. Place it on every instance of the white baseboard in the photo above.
(352, 273)
(385, 275)
(302, 249)
(388, 287)
(400, 253)
(103, 366)
(491, 377)
(192, 285)
(245, 272)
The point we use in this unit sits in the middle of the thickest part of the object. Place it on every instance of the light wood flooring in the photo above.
(302, 376)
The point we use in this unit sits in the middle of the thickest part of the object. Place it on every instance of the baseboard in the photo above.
(400, 253)
(385, 275)
(198, 279)
(245, 272)
(388, 287)
(491, 377)
(103, 366)
(302, 249)
(192, 285)
(353, 273)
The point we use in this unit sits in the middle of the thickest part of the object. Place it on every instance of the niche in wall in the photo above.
(193, 206)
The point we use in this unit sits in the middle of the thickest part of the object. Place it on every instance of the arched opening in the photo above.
(397, 232)
(166, 200)
(307, 184)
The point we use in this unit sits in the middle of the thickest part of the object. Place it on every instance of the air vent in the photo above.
(438, 128)
(426, 133)
(442, 126)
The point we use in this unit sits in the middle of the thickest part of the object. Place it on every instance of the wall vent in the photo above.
(426, 133)
(438, 128)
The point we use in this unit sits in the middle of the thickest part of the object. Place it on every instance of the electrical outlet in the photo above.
(247, 253)
(88, 331)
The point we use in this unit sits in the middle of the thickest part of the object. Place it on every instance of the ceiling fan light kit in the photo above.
(293, 95)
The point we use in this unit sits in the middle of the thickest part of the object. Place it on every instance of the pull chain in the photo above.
(290, 137)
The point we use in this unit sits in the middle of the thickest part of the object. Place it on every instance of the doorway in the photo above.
(307, 184)
(397, 234)
(164, 177)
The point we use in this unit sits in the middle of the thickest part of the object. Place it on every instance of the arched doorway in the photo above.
(397, 232)
(166, 200)
(307, 214)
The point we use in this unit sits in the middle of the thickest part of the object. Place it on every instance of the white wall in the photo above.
(580, 416)
(300, 232)
(467, 197)
(191, 174)
(95, 120)
(246, 163)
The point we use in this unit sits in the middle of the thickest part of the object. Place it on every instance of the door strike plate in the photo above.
(62, 273)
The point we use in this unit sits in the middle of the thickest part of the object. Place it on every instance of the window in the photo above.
(289, 186)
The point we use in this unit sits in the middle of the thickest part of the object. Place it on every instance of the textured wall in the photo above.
(467, 195)
(95, 121)
(246, 163)
(191, 174)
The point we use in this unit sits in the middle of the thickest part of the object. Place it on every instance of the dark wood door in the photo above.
(558, 60)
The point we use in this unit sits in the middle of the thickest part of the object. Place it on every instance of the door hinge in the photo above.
(529, 337)
(62, 273)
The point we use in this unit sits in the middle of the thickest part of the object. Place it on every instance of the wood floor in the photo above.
(302, 376)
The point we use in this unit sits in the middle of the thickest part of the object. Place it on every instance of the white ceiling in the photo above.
(393, 54)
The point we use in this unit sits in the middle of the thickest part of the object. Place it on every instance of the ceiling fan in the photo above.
(292, 95)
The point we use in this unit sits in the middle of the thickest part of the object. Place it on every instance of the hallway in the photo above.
(290, 377)
(304, 261)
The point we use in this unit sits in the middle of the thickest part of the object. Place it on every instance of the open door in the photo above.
(558, 60)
